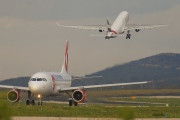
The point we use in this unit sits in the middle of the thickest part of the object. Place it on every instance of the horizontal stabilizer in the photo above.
(106, 35)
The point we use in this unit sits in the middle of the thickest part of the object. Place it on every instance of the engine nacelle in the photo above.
(100, 30)
(13, 96)
(79, 95)
(137, 30)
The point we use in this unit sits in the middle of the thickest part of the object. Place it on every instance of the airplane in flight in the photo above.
(119, 27)
(47, 84)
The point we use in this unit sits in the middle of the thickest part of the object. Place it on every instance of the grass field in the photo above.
(172, 102)
(94, 110)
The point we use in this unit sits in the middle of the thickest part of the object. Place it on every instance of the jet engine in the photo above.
(13, 96)
(137, 30)
(79, 95)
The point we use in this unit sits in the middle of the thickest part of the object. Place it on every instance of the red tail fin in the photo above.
(65, 64)
(66, 56)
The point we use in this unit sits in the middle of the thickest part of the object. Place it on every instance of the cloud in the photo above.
(68, 9)
(31, 41)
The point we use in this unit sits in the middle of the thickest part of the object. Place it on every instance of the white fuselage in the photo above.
(48, 83)
(119, 24)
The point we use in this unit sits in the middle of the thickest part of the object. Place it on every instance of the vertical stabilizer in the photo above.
(65, 64)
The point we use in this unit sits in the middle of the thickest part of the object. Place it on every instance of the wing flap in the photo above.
(142, 26)
(86, 27)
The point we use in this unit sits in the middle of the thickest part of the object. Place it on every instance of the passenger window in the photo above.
(44, 79)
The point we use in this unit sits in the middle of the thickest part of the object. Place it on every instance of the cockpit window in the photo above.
(32, 79)
(38, 79)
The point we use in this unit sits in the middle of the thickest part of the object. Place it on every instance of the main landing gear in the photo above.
(106, 37)
(128, 36)
(71, 101)
(29, 101)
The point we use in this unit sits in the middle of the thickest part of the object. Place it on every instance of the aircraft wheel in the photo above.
(70, 102)
(75, 103)
(27, 102)
(33, 102)
(128, 36)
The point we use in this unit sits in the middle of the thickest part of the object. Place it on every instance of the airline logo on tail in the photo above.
(109, 27)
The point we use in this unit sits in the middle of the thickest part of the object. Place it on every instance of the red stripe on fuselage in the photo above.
(114, 31)
(53, 79)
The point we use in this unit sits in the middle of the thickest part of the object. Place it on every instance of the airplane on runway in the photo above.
(46, 84)
(119, 27)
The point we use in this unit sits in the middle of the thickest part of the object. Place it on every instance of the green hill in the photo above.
(163, 69)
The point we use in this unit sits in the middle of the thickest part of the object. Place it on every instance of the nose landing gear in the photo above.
(106, 37)
(40, 101)
(71, 102)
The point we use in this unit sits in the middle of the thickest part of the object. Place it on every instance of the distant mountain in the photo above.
(20, 81)
(163, 69)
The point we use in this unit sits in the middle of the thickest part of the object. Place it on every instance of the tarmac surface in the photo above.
(75, 118)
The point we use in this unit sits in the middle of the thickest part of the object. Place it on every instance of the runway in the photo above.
(76, 118)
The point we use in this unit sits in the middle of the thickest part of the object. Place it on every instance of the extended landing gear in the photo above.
(106, 37)
(40, 101)
(71, 103)
(29, 101)
(128, 36)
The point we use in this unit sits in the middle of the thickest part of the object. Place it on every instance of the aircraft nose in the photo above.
(35, 87)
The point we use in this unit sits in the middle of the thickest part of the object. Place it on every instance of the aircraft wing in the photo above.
(14, 87)
(141, 26)
(84, 77)
(100, 86)
(86, 27)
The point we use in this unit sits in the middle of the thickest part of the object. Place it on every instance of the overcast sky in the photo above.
(30, 40)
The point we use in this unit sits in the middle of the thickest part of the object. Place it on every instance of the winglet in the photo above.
(65, 64)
